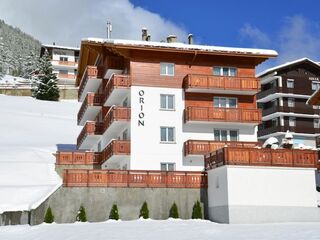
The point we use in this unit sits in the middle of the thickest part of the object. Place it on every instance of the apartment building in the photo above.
(65, 63)
(161, 106)
(284, 92)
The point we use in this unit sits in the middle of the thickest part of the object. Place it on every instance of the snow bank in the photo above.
(166, 229)
(30, 130)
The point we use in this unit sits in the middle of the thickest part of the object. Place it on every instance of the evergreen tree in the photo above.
(144, 211)
(197, 211)
(81, 216)
(45, 83)
(114, 214)
(174, 211)
(49, 218)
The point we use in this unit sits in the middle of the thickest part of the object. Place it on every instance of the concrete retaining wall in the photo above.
(65, 203)
(65, 93)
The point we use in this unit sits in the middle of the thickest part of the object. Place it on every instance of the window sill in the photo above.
(168, 142)
(169, 110)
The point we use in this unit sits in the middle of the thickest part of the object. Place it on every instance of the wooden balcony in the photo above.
(78, 158)
(116, 148)
(262, 157)
(118, 115)
(135, 179)
(211, 114)
(90, 133)
(66, 76)
(90, 107)
(64, 63)
(221, 84)
(201, 147)
(90, 81)
(117, 87)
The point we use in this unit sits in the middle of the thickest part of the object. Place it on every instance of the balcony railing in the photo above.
(65, 63)
(221, 82)
(209, 114)
(65, 75)
(116, 81)
(296, 129)
(116, 147)
(116, 114)
(78, 158)
(92, 99)
(90, 128)
(272, 90)
(91, 72)
(136, 179)
(300, 109)
(261, 157)
(201, 147)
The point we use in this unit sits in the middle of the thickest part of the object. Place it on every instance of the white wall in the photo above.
(68, 53)
(146, 150)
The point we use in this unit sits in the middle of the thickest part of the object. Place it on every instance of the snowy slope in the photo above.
(29, 132)
(166, 229)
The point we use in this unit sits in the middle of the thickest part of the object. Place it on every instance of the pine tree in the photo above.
(174, 211)
(45, 83)
(196, 211)
(81, 216)
(49, 218)
(144, 211)
(114, 214)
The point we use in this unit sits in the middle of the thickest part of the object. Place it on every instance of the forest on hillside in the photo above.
(19, 51)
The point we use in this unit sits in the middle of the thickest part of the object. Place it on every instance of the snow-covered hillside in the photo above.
(29, 132)
(165, 229)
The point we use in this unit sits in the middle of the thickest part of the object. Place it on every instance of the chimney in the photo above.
(190, 39)
(109, 29)
(171, 39)
(144, 34)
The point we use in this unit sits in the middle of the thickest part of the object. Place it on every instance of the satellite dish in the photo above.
(270, 142)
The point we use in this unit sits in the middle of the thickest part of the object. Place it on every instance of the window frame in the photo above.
(167, 166)
(167, 102)
(316, 84)
(316, 125)
(292, 120)
(293, 102)
(227, 99)
(222, 68)
(228, 134)
(290, 81)
(167, 134)
(166, 64)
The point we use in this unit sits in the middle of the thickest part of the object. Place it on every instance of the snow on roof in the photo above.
(30, 131)
(183, 46)
(60, 47)
(285, 65)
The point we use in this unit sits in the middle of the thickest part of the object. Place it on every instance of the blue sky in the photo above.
(290, 27)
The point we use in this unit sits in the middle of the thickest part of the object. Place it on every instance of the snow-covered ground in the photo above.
(11, 81)
(165, 229)
(29, 132)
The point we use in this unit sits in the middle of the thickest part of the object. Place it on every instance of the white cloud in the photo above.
(66, 22)
(258, 38)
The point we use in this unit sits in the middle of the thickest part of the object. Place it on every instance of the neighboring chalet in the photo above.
(284, 92)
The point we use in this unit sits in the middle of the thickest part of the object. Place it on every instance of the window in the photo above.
(64, 59)
(167, 69)
(167, 102)
(275, 122)
(125, 135)
(316, 123)
(290, 83)
(167, 134)
(63, 71)
(225, 71)
(222, 102)
(167, 166)
(226, 135)
(290, 102)
(125, 103)
(292, 121)
(315, 85)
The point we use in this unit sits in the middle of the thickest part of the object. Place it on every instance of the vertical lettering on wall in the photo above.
(141, 113)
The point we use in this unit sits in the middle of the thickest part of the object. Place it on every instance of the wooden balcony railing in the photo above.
(223, 114)
(221, 82)
(143, 179)
(116, 81)
(261, 157)
(201, 147)
(65, 75)
(91, 72)
(92, 99)
(116, 114)
(90, 128)
(116, 147)
(78, 158)
(65, 63)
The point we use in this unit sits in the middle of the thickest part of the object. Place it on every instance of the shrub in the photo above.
(196, 211)
(49, 218)
(144, 211)
(114, 214)
(81, 216)
(174, 211)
